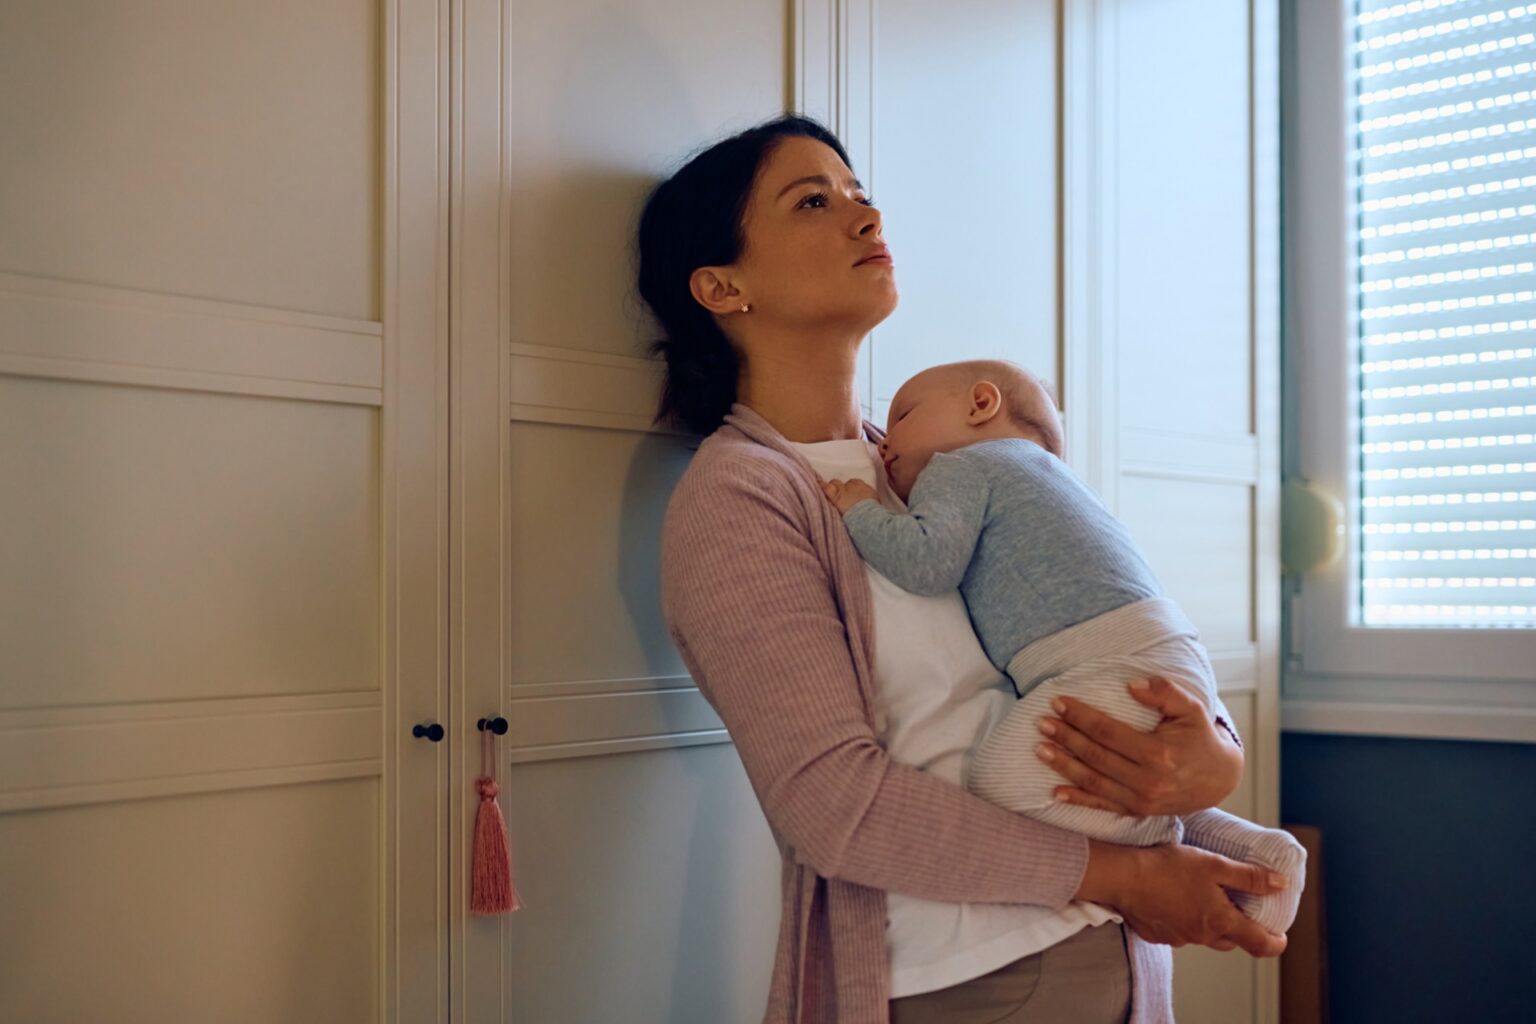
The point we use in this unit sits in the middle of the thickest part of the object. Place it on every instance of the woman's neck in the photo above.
(807, 393)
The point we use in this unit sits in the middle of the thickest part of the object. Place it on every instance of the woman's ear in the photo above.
(713, 289)
(986, 402)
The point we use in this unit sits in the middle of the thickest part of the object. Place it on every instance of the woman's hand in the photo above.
(1185, 764)
(1175, 895)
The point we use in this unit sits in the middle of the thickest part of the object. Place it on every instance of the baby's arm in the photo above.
(926, 551)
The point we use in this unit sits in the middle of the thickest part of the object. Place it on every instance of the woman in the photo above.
(853, 704)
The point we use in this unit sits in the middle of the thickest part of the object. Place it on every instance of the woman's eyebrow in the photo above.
(817, 179)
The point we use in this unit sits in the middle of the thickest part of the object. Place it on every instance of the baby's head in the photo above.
(950, 406)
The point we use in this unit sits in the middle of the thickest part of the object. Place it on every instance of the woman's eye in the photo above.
(819, 200)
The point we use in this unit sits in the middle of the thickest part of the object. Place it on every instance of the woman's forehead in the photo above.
(797, 157)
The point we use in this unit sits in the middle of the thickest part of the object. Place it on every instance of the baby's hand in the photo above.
(847, 493)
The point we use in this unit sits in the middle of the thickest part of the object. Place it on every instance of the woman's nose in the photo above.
(868, 222)
(885, 447)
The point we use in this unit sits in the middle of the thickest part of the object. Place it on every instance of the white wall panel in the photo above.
(139, 154)
(180, 544)
(194, 908)
(681, 927)
(965, 172)
(1198, 538)
(585, 564)
(604, 95)
(1184, 262)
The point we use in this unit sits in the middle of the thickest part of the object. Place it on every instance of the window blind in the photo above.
(1444, 222)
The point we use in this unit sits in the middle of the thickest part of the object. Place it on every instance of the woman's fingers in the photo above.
(1252, 878)
(1091, 753)
(1255, 939)
(1106, 731)
(1171, 700)
(1093, 789)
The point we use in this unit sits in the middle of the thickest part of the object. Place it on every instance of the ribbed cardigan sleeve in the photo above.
(754, 612)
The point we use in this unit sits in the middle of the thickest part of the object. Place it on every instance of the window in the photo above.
(1410, 166)
(1444, 168)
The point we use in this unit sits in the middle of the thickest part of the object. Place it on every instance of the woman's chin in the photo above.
(882, 305)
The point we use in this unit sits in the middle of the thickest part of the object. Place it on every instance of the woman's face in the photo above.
(814, 255)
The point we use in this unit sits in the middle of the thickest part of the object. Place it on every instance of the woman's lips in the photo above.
(880, 255)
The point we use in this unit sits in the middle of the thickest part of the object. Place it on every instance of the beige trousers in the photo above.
(1083, 979)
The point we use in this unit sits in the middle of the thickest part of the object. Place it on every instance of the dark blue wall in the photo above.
(1429, 863)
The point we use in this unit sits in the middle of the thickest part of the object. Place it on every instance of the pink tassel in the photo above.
(491, 890)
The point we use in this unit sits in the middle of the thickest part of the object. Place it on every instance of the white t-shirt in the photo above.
(939, 695)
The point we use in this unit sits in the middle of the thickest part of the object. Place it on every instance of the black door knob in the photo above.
(433, 732)
(497, 725)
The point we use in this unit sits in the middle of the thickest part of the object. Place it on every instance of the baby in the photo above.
(1058, 592)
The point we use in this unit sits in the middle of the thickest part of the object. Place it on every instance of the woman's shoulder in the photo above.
(731, 467)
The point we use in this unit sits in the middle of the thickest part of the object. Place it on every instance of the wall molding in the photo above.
(1161, 453)
(576, 387)
(58, 757)
(629, 745)
(587, 687)
(598, 717)
(64, 330)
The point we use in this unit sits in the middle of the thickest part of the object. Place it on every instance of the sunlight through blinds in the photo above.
(1445, 187)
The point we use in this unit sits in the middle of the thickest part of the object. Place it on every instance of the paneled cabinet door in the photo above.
(223, 552)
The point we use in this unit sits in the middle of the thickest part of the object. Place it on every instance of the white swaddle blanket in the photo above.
(1092, 662)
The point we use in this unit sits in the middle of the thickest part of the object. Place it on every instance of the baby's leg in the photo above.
(1274, 848)
(1006, 771)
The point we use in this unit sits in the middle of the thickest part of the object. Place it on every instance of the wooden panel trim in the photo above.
(589, 687)
(68, 331)
(574, 387)
(815, 83)
(603, 748)
(185, 785)
(143, 711)
(602, 717)
(62, 756)
(1169, 454)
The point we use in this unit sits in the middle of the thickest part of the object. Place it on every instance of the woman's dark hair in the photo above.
(694, 219)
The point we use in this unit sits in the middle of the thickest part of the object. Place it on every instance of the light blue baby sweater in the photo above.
(1031, 548)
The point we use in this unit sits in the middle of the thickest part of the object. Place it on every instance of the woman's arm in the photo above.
(1186, 764)
(757, 620)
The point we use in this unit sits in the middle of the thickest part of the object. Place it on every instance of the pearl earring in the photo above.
(746, 307)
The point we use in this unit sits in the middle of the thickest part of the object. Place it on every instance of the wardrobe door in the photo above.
(648, 875)
(222, 554)
(1173, 360)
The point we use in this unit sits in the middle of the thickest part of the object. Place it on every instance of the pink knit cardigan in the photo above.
(769, 606)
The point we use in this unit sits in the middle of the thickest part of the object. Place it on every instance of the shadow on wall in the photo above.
(730, 896)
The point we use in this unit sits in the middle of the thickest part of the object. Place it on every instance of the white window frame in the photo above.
(1340, 677)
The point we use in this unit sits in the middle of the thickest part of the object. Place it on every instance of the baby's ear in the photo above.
(986, 402)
